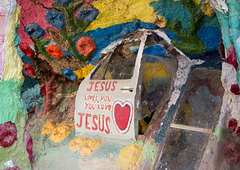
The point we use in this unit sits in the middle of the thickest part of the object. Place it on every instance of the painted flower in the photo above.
(62, 2)
(26, 49)
(235, 89)
(88, 13)
(29, 70)
(86, 45)
(54, 51)
(29, 146)
(12, 168)
(69, 74)
(83, 72)
(232, 57)
(48, 128)
(55, 18)
(238, 131)
(34, 30)
(232, 124)
(60, 133)
(8, 134)
(207, 9)
(160, 21)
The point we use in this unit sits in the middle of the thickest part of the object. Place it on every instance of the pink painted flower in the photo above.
(29, 70)
(29, 146)
(232, 58)
(235, 89)
(8, 134)
(26, 49)
(232, 124)
(12, 168)
(238, 131)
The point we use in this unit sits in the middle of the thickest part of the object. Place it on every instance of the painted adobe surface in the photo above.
(65, 37)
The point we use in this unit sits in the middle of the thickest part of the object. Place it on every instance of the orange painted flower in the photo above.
(86, 45)
(54, 51)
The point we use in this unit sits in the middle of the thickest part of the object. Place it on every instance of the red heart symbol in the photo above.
(122, 115)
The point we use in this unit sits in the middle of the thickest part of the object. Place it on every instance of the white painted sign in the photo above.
(107, 107)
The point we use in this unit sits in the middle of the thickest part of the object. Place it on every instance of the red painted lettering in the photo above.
(102, 86)
(107, 131)
(86, 105)
(108, 107)
(108, 85)
(113, 85)
(94, 122)
(91, 85)
(81, 118)
(99, 123)
(86, 123)
(96, 86)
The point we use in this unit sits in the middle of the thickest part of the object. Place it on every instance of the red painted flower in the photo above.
(238, 131)
(86, 45)
(54, 51)
(29, 146)
(235, 89)
(8, 134)
(232, 58)
(232, 124)
(12, 168)
(26, 49)
(29, 70)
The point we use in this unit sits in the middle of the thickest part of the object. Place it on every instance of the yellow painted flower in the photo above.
(197, 1)
(207, 9)
(160, 21)
(47, 129)
(83, 72)
(60, 133)
(85, 145)
(77, 143)
(131, 157)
